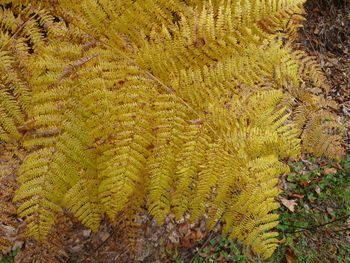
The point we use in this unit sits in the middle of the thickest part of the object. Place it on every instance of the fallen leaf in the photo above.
(203, 255)
(174, 237)
(77, 248)
(290, 204)
(317, 31)
(187, 243)
(329, 210)
(317, 180)
(300, 196)
(86, 233)
(283, 240)
(103, 236)
(199, 235)
(172, 216)
(220, 258)
(330, 171)
(323, 163)
(304, 182)
(250, 253)
(338, 167)
(187, 240)
(290, 256)
(9, 231)
(17, 244)
(318, 190)
(184, 228)
(332, 249)
(169, 246)
(347, 222)
(316, 90)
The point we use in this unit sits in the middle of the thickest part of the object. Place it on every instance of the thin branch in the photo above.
(312, 227)
(105, 241)
(205, 242)
(341, 230)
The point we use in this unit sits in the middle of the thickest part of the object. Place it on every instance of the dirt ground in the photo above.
(326, 35)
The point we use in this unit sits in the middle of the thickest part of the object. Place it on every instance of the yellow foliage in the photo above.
(185, 106)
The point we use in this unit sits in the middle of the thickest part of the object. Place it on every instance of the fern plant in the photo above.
(184, 106)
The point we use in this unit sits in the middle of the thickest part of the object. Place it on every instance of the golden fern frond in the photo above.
(9, 105)
(211, 170)
(11, 86)
(309, 70)
(199, 34)
(49, 252)
(119, 128)
(131, 222)
(8, 126)
(295, 75)
(279, 135)
(281, 16)
(75, 172)
(112, 21)
(39, 206)
(22, 34)
(170, 117)
(230, 177)
(50, 104)
(248, 213)
(321, 134)
(124, 158)
(59, 143)
(82, 200)
(189, 158)
(217, 81)
(238, 183)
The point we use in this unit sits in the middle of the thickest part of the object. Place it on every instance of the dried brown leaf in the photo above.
(290, 204)
(330, 171)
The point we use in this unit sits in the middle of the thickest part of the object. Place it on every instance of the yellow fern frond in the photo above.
(21, 36)
(130, 222)
(123, 161)
(188, 160)
(169, 123)
(207, 178)
(82, 200)
(39, 206)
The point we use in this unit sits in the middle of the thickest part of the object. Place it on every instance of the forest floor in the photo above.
(314, 212)
(326, 35)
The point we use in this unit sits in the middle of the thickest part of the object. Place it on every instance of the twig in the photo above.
(75, 65)
(312, 227)
(307, 36)
(104, 242)
(205, 242)
(341, 230)
(301, 227)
